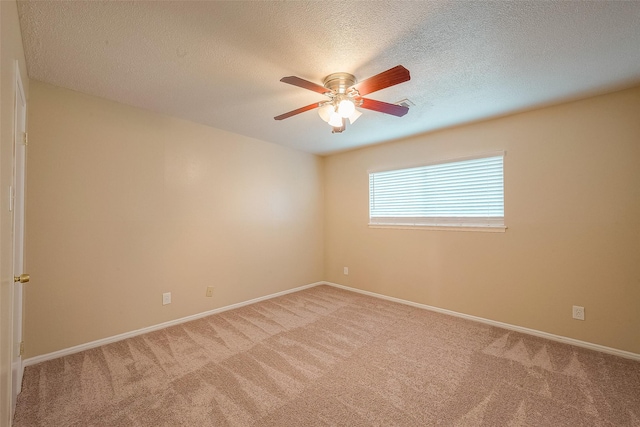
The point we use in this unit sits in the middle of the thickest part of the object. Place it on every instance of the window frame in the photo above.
(484, 224)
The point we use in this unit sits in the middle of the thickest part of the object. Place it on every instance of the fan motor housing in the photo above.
(339, 82)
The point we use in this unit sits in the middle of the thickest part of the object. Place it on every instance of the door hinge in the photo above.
(12, 198)
(21, 348)
(25, 139)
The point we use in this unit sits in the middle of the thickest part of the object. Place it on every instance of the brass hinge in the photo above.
(25, 138)
(22, 348)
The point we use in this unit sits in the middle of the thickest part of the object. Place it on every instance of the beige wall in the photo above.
(10, 51)
(124, 204)
(572, 205)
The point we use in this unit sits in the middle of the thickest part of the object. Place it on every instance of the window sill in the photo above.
(485, 228)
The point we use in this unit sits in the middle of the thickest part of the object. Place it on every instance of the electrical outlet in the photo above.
(578, 312)
(209, 291)
(346, 271)
(166, 298)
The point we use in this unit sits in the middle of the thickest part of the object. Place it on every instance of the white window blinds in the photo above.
(467, 193)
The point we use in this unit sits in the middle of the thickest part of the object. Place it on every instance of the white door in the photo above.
(17, 206)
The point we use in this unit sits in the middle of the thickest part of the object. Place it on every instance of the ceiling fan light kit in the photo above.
(345, 94)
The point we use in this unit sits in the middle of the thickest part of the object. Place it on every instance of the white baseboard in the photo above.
(552, 337)
(78, 348)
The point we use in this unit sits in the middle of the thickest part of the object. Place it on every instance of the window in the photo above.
(467, 193)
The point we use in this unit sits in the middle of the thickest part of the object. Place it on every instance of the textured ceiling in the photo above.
(219, 63)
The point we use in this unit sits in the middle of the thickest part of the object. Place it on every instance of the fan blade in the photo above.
(305, 84)
(384, 107)
(298, 111)
(391, 77)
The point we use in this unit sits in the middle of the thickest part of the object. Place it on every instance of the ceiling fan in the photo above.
(345, 94)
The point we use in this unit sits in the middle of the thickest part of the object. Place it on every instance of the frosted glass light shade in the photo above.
(325, 112)
(335, 120)
(346, 108)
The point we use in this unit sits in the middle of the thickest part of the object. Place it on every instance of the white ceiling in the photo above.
(219, 63)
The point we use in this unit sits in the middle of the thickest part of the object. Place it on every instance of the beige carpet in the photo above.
(328, 357)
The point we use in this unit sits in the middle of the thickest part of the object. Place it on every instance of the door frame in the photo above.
(17, 207)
